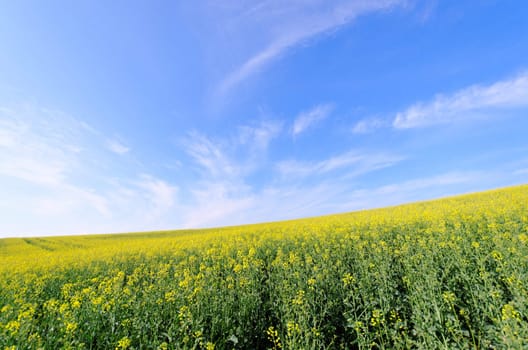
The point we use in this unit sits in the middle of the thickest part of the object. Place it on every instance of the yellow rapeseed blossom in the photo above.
(293, 328)
(12, 327)
(123, 343)
(377, 318)
(449, 297)
(347, 279)
(508, 312)
(273, 337)
(299, 298)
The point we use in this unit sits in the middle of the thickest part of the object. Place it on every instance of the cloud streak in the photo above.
(117, 147)
(64, 182)
(33, 151)
(476, 99)
(369, 125)
(233, 156)
(347, 165)
(296, 23)
(259, 136)
(309, 118)
(208, 156)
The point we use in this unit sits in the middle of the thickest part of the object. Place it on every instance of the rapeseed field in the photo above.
(445, 274)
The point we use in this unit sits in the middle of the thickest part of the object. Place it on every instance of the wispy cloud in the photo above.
(466, 103)
(160, 194)
(294, 23)
(309, 118)
(222, 194)
(34, 151)
(234, 155)
(117, 146)
(368, 125)
(209, 156)
(523, 171)
(223, 202)
(413, 185)
(62, 174)
(66, 199)
(219, 202)
(413, 189)
(354, 163)
(260, 135)
(225, 194)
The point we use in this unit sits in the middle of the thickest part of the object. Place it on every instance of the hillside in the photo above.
(450, 273)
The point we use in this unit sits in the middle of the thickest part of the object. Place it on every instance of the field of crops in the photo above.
(446, 274)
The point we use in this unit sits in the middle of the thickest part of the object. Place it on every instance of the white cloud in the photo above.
(209, 156)
(67, 199)
(259, 137)
(293, 23)
(33, 151)
(54, 170)
(117, 147)
(218, 203)
(160, 194)
(353, 162)
(369, 125)
(521, 171)
(221, 195)
(224, 195)
(410, 186)
(307, 119)
(235, 156)
(11, 130)
(468, 102)
(411, 190)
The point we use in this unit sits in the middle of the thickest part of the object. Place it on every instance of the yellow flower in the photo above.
(449, 297)
(237, 268)
(170, 296)
(123, 343)
(509, 313)
(358, 326)
(496, 255)
(377, 318)
(293, 328)
(273, 337)
(299, 298)
(12, 327)
(198, 334)
(71, 327)
(76, 304)
(4, 309)
(348, 279)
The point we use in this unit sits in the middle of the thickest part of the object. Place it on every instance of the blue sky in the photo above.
(128, 116)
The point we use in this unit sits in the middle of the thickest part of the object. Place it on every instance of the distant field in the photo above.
(449, 274)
